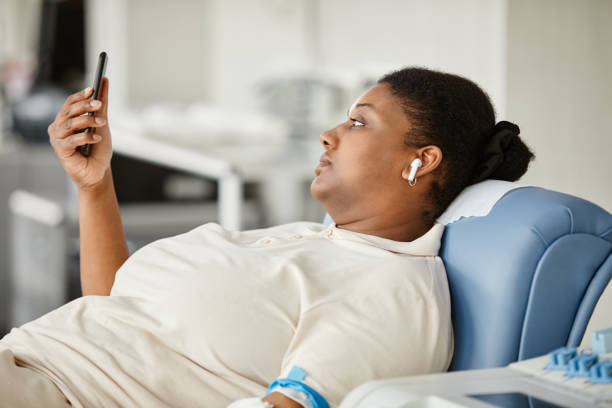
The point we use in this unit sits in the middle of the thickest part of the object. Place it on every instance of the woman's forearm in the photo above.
(102, 240)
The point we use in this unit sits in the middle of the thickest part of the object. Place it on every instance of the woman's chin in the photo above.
(317, 188)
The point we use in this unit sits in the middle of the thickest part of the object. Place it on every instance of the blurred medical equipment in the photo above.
(202, 126)
(309, 103)
(40, 274)
(32, 114)
(41, 59)
(601, 341)
(524, 280)
(210, 142)
(35, 169)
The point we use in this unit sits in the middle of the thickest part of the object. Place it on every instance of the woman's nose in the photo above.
(328, 139)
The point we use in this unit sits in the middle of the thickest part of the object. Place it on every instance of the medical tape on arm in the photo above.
(293, 387)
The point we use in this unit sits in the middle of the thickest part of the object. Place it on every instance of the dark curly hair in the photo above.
(454, 114)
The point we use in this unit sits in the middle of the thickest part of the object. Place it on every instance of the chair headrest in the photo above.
(523, 277)
(476, 200)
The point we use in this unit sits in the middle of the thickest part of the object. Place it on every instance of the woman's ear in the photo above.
(430, 156)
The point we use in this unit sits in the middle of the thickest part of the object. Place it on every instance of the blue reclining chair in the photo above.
(524, 279)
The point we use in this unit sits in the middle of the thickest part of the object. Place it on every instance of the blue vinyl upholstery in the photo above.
(525, 279)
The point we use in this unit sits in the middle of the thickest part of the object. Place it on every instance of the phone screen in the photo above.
(85, 149)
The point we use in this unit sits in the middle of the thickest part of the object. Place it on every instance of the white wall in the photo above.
(463, 37)
(169, 46)
(217, 50)
(560, 93)
(252, 38)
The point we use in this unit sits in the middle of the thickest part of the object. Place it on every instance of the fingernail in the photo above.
(95, 104)
(96, 137)
(99, 120)
(87, 90)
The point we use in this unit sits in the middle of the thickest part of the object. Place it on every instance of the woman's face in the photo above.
(361, 169)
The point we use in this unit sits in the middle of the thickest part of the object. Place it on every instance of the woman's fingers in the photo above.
(81, 107)
(75, 97)
(71, 125)
(68, 145)
(71, 118)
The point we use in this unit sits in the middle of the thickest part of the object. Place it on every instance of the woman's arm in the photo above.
(103, 246)
(102, 240)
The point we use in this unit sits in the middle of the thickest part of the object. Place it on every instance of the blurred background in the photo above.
(216, 108)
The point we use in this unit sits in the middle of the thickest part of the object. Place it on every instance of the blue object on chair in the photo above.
(560, 358)
(580, 366)
(524, 279)
(601, 341)
(601, 373)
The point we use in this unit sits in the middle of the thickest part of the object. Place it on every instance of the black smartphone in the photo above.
(85, 149)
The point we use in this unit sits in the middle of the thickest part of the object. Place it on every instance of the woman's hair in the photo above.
(454, 114)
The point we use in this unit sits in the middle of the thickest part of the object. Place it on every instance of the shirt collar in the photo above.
(427, 244)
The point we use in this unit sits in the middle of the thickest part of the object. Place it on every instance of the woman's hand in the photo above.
(67, 132)
(102, 241)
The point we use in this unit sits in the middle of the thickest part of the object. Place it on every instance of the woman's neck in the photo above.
(405, 231)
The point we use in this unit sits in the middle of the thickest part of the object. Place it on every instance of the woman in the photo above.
(212, 316)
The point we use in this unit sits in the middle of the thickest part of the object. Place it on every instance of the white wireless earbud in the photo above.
(414, 166)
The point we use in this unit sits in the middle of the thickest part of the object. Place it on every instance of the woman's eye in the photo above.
(357, 123)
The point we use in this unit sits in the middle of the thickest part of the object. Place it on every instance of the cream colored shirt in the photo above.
(212, 316)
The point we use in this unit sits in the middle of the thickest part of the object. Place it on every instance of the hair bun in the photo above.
(505, 125)
(501, 152)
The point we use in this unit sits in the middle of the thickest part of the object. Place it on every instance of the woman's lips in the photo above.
(323, 162)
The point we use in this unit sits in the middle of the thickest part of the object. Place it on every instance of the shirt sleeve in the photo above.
(345, 343)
